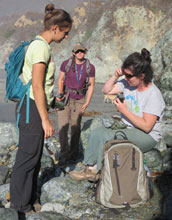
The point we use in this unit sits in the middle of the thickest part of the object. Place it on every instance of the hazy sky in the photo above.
(8, 7)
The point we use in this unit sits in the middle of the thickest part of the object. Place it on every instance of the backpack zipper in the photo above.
(116, 164)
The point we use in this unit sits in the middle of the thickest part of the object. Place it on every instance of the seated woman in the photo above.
(141, 111)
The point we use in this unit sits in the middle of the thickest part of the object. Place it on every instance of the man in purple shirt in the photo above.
(75, 82)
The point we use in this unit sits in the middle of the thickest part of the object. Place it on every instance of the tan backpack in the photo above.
(123, 180)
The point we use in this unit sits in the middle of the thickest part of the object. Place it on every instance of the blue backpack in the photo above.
(15, 89)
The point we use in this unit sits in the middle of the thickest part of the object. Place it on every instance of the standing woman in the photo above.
(75, 81)
(38, 66)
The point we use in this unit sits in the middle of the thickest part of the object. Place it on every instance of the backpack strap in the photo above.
(88, 70)
(68, 65)
(116, 163)
(133, 160)
(122, 134)
(27, 104)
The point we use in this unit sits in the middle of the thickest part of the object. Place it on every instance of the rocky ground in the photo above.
(64, 198)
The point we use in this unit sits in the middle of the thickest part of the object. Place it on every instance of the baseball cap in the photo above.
(79, 46)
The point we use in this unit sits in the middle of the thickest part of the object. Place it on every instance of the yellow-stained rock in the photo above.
(7, 196)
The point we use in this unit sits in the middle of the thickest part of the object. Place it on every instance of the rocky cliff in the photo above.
(113, 29)
(109, 29)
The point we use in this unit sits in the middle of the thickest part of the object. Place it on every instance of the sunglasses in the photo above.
(81, 51)
(128, 76)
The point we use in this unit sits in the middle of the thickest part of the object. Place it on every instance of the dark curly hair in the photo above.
(56, 17)
(140, 63)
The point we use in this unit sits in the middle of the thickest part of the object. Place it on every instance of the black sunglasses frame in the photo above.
(82, 51)
(128, 76)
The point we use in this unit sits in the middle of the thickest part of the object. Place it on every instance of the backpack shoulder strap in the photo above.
(68, 65)
(88, 70)
(88, 67)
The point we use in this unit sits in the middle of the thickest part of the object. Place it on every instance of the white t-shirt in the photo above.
(148, 101)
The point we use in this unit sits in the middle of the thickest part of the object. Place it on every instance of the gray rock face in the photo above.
(114, 29)
(8, 214)
(56, 207)
(70, 199)
(109, 29)
(162, 63)
(154, 160)
(55, 191)
(49, 215)
(4, 189)
(167, 132)
(3, 174)
(8, 136)
(88, 127)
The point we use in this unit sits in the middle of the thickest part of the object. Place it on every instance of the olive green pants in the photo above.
(70, 117)
(99, 136)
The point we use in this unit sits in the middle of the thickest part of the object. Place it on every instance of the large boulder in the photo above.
(162, 63)
(8, 135)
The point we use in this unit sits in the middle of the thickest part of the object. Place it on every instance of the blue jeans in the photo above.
(99, 136)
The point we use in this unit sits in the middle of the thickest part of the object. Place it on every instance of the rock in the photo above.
(167, 132)
(162, 63)
(88, 127)
(154, 160)
(3, 174)
(47, 216)
(51, 145)
(8, 214)
(11, 159)
(73, 195)
(161, 147)
(107, 122)
(4, 189)
(55, 190)
(46, 161)
(8, 136)
(55, 207)
(7, 196)
(44, 176)
(114, 30)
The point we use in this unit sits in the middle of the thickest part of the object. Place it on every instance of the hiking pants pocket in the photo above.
(29, 143)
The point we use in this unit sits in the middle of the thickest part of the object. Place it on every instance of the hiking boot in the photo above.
(31, 212)
(86, 174)
(37, 207)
